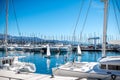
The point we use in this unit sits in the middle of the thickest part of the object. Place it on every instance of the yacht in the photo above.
(107, 67)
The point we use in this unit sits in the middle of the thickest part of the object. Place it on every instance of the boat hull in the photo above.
(72, 73)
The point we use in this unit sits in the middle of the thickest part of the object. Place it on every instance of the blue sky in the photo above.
(56, 17)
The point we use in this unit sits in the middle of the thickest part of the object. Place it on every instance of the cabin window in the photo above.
(6, 61)
(103, 66)
(3, 61)
(113, 67)
(10, 62)
(118, 67)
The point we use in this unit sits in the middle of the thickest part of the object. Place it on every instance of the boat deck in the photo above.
(82, 67)
(10, 75)
(88, 67)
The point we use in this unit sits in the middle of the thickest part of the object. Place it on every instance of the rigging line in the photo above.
(115, 15)
(85, 19)
(16, 18)
(117, 6)
(78, 19)
(108, 10)
(2, 8)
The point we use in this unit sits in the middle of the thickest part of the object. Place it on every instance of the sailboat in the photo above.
(11, 62)
(79, 50)
(79, 53)
(48, 51)
(108, 67)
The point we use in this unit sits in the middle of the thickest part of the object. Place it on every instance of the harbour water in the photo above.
(45, 65)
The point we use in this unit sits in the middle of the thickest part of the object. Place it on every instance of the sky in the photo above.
(57, 17)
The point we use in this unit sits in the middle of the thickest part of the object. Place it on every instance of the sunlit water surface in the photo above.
(45, 65)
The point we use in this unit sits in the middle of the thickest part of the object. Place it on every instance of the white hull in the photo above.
(73, 71)
(77, 74)
(28, 67)
(12, 63)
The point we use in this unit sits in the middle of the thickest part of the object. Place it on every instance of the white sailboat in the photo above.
(79, 50)
(11, 62)
(107, 68)
(48, 51)
(79, 53)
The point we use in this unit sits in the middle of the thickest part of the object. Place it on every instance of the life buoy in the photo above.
(113, 76)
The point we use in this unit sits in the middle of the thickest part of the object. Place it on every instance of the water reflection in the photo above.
(48, 63)
(79, 59)
(57, 59)
(57, 55)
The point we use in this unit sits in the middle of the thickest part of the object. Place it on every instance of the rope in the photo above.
(85, 19)
(115, 16)
(117, 6)
(2, 8)
(78, 19)
(16, 18)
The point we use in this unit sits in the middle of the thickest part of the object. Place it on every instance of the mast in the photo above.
(105, 28)
(6, 29)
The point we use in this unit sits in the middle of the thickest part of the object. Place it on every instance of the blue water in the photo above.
(44, 65)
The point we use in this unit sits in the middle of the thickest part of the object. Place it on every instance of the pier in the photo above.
(56, 48)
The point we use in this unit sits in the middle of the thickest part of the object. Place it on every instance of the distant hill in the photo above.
(24, 39)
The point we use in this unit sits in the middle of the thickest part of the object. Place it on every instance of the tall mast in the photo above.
(6, 29)
(105, 28)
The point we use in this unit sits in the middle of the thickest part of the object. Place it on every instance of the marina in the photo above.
(58, 48)
(82, 57)
(44, 65)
